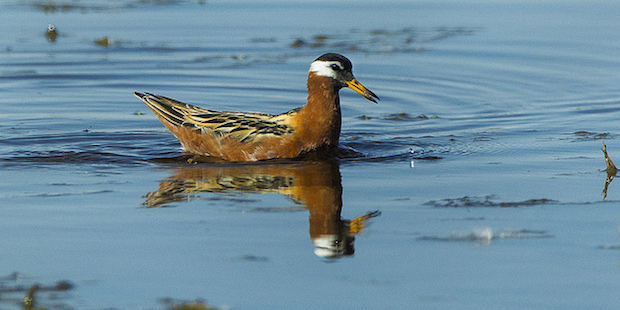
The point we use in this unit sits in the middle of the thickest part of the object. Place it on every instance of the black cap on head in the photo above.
(337, 57)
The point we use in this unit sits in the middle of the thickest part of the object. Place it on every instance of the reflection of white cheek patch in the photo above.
(323, 68)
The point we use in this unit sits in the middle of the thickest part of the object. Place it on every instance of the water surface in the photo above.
(482, 157)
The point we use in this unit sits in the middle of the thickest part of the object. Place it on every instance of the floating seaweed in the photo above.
(610, 169)
(175, 304)
(54, 7)
(381, 40)
(29, 296)
(51, 33)
(583, 135)
(105, 42)
(486, 202)
(408, 117)
(401, 117)
(67, 6)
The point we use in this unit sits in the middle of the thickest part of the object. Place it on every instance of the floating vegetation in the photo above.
(34, 296)
(51, 6)
(105, 42)
(610, 169)
(485, 202)
(54, 7)
(374, 41)
(583, 135)
(401, 117)
(51, 34)
(381, 40)
(408, 117)
(30, 296)
(174, 304)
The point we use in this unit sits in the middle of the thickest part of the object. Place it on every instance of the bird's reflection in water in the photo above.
(315, 184)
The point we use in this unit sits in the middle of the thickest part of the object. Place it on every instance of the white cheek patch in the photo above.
(323, 68)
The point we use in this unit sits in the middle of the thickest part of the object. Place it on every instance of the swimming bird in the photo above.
(241, 136)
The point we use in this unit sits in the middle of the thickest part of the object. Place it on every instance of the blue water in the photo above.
(483, 156)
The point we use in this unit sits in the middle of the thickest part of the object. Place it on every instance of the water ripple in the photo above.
(486, 235)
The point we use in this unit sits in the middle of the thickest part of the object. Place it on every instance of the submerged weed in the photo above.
(381, 40)
(173, 304)
(83, 6)
(401, 117)
(30, 296)
(610, 169)
(51, 34)
(486, 202)
(104, 42)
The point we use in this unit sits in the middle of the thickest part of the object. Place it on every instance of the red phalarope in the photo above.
(240, 136)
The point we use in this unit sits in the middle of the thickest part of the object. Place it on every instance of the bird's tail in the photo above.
(166, 109)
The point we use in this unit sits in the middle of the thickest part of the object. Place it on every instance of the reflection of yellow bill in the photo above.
(356, 86)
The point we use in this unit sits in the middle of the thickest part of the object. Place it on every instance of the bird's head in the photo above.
(340, 70)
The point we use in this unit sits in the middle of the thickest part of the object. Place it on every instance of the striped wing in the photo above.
(243, 127)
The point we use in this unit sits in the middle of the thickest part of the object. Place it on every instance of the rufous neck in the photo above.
(321, 115)
(323, 94)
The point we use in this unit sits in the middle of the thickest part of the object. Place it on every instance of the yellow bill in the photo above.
(356, 86)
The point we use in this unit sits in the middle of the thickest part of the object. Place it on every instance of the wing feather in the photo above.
(243, 127)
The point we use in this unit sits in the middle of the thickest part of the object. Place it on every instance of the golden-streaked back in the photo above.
(244, 127)
(232, 136)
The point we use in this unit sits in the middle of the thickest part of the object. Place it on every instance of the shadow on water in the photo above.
(314, 184)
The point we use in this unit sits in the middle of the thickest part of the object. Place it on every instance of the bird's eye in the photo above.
(336, 67)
